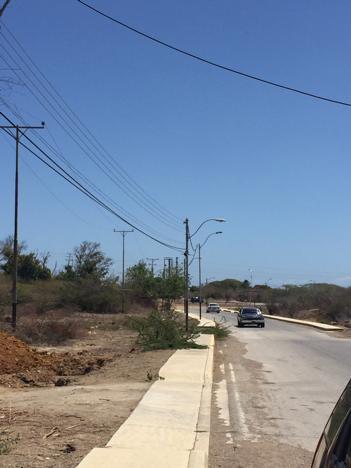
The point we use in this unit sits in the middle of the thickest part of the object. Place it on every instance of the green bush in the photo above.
(218, 331)
(7, 441)
(164, 330)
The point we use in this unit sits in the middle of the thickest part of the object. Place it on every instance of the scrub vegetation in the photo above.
(313, 301)
(49, 301)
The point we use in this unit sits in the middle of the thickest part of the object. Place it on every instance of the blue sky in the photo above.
(203, 142)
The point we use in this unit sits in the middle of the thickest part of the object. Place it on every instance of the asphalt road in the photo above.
(281, 383)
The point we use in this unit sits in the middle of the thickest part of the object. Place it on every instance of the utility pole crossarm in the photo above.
(152, 260)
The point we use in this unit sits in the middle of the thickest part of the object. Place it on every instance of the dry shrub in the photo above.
(91, 295)
(7, 441)
(164, 330)
(48, 330)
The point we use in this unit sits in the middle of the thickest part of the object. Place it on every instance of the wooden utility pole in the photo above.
(124, 233)
(20, 129)
(152, 261)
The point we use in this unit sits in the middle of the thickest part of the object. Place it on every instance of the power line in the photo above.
(215, 64)
(82, 136)
(57, 97)
(193, 258)
(3, 8)
(82, 145)
(79, 174)
(52, 193)
(71, 180)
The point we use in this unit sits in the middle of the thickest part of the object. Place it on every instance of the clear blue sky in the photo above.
(202, 141)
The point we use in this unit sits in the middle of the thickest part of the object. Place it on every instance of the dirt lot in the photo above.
(59, 403)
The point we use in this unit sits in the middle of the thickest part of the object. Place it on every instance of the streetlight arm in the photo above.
(212, 234)
(218, 220)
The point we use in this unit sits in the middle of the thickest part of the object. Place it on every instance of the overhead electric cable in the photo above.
(86, 140)
(53, 194)
(215, 64)
(78, 174)
(68, 110)
(79, 141)
(70, 179)
(192, 245)
(193, 258)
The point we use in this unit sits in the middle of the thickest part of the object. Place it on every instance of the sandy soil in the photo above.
(56, 426)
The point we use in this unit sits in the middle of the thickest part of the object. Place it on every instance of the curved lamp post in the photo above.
(188, 237)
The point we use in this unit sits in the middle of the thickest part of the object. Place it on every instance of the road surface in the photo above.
(274, 389)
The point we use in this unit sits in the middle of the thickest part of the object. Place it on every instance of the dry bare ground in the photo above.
(74, 397)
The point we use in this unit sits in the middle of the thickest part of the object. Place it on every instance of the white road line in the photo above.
(222, 403)
(244, 430)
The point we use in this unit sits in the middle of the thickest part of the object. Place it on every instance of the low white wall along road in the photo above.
(170, 426)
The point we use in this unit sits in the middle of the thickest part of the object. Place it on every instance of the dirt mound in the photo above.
(21, 365)
(16, 356)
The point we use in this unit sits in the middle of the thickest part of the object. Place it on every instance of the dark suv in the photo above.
(196, 299)
(334, 446)
(250, 316)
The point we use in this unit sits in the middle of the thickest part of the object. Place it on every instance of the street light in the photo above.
(251, 273)
(268, 281)
(218, 220)
(188, 237)
(200, 247)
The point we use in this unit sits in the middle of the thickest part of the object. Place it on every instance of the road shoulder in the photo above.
(243, 433)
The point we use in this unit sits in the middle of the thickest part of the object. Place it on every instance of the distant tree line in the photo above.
(321, 301)
(86, 279)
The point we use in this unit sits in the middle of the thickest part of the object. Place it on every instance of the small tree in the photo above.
(6, 254)
(31, 266)
(88, 262)
(141, 280)
(170, 287)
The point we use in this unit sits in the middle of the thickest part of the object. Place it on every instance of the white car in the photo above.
(213, 307)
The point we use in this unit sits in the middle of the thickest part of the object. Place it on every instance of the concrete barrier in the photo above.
(307, 323)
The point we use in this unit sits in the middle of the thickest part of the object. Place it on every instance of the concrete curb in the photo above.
(307, 323)
(170, 426)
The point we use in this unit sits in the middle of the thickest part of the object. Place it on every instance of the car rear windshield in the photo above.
(249, 311)
(213, 305)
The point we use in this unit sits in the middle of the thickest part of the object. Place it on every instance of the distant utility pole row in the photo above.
(152, 262)
(20, 130)
(168, 266)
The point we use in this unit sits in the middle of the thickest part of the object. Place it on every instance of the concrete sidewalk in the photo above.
(170, 426)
